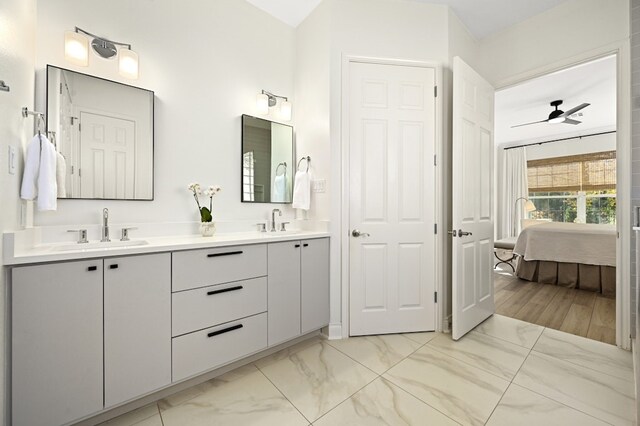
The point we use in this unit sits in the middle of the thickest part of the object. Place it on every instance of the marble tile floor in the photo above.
(505, 372)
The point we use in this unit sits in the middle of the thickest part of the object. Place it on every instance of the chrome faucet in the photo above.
(105, 226)
(273, 219)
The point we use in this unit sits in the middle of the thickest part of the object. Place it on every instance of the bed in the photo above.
(574, 255)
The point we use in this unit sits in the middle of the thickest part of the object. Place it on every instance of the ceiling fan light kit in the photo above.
(559, 116)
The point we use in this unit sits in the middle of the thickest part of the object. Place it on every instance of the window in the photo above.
(576, 188)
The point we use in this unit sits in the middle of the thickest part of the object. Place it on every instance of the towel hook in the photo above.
(304, 158)
(281, 164)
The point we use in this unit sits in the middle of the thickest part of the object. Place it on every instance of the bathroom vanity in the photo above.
(93, 329)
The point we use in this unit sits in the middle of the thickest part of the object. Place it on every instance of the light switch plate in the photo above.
(319, 185)
(12, 160)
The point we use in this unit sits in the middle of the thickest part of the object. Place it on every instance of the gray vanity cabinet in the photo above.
(298, 288)
(137, 326)
(314, 284)
(56, 353)
(284, 291)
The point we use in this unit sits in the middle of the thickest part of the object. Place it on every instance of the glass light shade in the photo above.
(262, 103)
(285, 110)
(556, 120)
(128, 63)
(529, 206)
(76, 48)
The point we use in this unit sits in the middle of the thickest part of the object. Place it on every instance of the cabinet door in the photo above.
(56, 368)
(137, 326)
(283, 291)
(315, 284)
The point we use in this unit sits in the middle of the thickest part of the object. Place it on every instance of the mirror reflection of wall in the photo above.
(267, 161)
(104, 130)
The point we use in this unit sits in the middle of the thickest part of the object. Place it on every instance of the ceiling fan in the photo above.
(558, 116)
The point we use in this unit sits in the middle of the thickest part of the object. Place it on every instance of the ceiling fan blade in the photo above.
(574, 110)
(526, 124)
(570, 121)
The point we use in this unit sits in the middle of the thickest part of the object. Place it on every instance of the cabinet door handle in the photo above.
(92, 268)
(224, 330)
(297, 245)
(224, 290)
(305, 245)
(229, 253)
(114, 266)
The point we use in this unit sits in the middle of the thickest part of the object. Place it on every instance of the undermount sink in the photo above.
(98, 245)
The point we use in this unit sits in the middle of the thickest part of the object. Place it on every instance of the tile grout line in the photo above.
(542, 395)
(282, 393)
(159, 413)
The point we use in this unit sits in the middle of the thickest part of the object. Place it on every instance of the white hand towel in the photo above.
(302, 191)
(61, 175)
(39, 177)
(279, 194)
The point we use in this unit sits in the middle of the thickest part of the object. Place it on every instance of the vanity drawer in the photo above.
(207, 349)
(209, 306)
(202, 268)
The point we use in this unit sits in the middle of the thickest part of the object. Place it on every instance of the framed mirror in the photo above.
(267, 161)
(104, 131)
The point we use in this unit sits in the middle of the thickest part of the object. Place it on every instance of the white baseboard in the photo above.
(335, 332)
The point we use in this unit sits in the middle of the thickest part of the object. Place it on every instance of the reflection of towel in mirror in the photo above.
(39, 178)
(279, 194)
(61, 175)
(302, 191)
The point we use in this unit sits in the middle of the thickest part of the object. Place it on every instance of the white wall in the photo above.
(206, 61)
(555, 36)
(17, 50)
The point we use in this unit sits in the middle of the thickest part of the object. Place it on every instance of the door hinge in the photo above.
(435, 91)
(435, 160)
(435, 228)
(61, 88)
(79, 172)
(435, 296)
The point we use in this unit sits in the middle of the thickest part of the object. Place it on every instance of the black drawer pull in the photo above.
(305, 245)
(224, 290)
(92, 268)
(114, 266)
(229, 253)
(297, 245)
(224, 330)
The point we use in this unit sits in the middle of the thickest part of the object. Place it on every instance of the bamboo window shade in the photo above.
(586, 172)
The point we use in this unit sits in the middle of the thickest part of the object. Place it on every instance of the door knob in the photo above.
(462, 233)
(357, 233)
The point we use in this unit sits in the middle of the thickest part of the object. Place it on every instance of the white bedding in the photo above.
(590, 244)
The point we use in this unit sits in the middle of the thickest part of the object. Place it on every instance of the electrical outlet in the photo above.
(319, 185)
(12, 160)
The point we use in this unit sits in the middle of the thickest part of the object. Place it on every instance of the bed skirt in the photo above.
(601, 279)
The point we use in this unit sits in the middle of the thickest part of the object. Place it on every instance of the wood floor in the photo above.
(579, 312)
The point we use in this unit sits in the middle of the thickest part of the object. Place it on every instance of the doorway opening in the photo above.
(556, 248)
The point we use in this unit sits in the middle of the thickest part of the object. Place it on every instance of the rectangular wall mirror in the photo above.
(267, 161)
(104, 131)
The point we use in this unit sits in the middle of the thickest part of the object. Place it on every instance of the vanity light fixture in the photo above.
(266, 100)
(76, 51)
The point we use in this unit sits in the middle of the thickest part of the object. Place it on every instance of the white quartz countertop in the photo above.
(41, 253)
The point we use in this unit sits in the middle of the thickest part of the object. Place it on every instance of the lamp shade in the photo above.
(262, 103)
(529, 206)
(128, 63)
(76, 48)
(285, 110)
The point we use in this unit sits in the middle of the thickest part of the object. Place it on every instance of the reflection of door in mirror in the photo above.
(104, 131)
(107, 156)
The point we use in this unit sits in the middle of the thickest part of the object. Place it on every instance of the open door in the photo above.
(472, 213)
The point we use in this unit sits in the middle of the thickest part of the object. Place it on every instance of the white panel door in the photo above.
(473, 216)
(107, 156)
(137, 326)
(392, 198)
